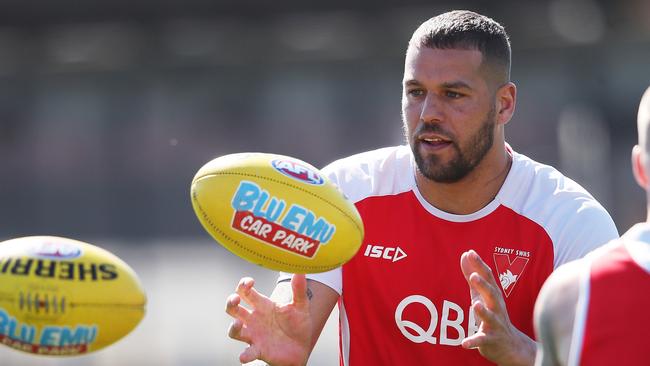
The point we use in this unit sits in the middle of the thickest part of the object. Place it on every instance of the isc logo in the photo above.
(378, 251)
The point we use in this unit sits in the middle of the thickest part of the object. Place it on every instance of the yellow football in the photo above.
(276, 211)
(62, 297)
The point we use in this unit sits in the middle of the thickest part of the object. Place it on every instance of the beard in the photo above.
(465, 159)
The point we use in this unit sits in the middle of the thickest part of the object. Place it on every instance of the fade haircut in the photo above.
(463, 29)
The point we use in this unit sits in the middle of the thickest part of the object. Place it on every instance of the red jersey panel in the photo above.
(411, 303)
(617, 322)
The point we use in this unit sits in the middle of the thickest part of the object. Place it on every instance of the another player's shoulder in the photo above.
(631, 247)
(556, 302)
(378, 172)
(565, 279)
(602, 252)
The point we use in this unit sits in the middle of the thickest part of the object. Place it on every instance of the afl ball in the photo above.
(276, 211)
(62, 297)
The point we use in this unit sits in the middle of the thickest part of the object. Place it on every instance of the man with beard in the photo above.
(457, 192)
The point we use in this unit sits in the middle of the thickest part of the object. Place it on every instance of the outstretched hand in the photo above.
(496, 339)
(279, 334)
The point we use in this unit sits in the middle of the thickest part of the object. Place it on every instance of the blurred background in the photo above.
(108, 108)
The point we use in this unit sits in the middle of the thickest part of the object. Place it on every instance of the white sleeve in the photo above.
(587, 229)
(574, 221)
(332, 279)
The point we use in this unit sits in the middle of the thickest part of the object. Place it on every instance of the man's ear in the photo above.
(638, 167)
(506, 99)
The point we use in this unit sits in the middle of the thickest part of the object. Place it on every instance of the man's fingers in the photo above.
(245, 284)
(234, 309)
(479, 266)
(487, 291)
(299, 289)
(248, 293)
(250, 354)
(237, 331)
(471, 262)
(485, 315)
(480, 338)
(474, 341)
(466, 265)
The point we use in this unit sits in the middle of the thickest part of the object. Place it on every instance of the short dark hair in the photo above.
(463, 29)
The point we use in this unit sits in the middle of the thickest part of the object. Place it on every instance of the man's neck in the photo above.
(471, 193)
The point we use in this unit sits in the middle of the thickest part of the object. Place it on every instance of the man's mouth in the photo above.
(436, 142)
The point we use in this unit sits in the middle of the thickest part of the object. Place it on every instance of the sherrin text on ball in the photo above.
(62, 297)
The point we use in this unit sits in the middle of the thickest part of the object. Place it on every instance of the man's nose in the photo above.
(431, 109)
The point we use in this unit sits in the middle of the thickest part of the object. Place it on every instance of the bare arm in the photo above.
(555, 312)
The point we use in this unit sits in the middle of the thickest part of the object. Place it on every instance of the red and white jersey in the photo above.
(612, 320)
(404, 300)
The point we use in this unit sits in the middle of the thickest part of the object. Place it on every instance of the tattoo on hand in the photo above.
(309, 293)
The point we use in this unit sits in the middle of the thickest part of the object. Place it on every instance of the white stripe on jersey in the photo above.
(580, 320)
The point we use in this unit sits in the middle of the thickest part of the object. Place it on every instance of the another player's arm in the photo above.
(555, 311)
(321, 297)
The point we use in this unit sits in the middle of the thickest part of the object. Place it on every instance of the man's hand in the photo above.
(277, 334)
(496, 339)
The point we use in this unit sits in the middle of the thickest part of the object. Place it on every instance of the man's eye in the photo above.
(453, 95)
(415, 92)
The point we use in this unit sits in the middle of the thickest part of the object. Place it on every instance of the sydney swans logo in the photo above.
(508, 269)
